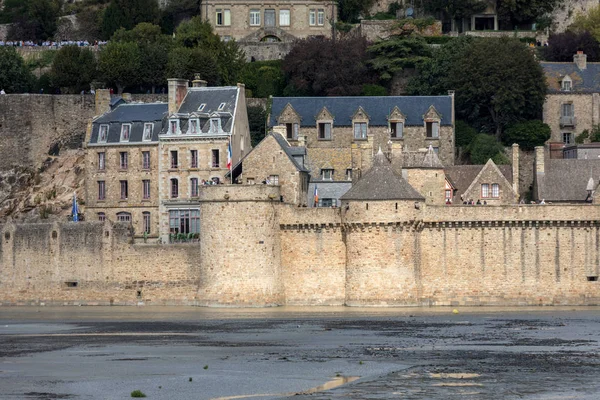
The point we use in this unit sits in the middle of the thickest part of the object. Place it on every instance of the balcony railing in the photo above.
(568, 121)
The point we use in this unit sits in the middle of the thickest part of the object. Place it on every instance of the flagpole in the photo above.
(230, 160)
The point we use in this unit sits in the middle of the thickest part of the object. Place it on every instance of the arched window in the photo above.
(174, 188)
(101, 216)
(123, 216)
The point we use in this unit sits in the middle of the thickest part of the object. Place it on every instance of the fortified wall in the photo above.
(256, 251)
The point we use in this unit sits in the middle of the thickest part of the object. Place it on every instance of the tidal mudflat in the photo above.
(299, 353)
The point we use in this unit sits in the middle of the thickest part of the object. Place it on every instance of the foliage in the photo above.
(455, 8)
(396, 53)
(74, 68)
(176, 12)
(318, 66)
(15, 76)
(527, 134)
(343, 26)
(89, 20)
(119, 63)
(184, 63)
(373, 90)
(588, 22)
(464, 133)
(127, 14)
(351, 10)
(519, 12)
(31, 19)
(137, 393)
(562, 46)
(593, 136)
(438, 39)
(580, 139)
(257, 119)
(264, 78)
(483, 147)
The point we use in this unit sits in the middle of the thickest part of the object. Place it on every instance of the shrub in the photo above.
(483, 147)
(373, 90)
(527, 134)
(137, 393)
(464, 134)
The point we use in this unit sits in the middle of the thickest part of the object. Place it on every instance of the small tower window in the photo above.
(201, 108)
(221, 106)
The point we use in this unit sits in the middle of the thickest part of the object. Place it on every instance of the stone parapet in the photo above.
(239, 193)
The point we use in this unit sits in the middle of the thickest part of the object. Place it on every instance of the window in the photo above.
(485, 190)
(448, 194)
(254, 17)
(324, 130)
(194, 159)
(567, 138)
(495, 190)
(124, 190)
(433, 129)
(125, 130)
(193, 127)
(215, 125)
(101, 217)
(397, 130)
(194, 187)
(327, 174)
(146, 189)
(215, 159)
(124, 217)
(284, 17)
(566, 85)
(221, 106)
(360, 130)
(174, 157)
(148, 129)
(184, 221)
(223, 17)
(174, 126)
(201, 106)
(174, 188)
(436, 149)
(103, 135)
(269, 18)
(101, 190)
(327, 202)
(146, 219)
(145, 160)
(123, 159)
(349, 174)
(321, 17)
(292, 130)
(312, 17)
(101, 161)
(568, 110)
(273, 180)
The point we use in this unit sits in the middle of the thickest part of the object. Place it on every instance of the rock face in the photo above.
(565, 15)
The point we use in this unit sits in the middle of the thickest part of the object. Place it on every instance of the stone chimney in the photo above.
(102, 101)
(197, 82)
(539, 160)
(580, 59)
(177, 90)
(451, 93)
(515, 168)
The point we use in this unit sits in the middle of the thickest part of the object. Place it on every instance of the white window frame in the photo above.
(495, 194)
(320, 17)
(327, 174)
(102, 138)
(178, 131)
(225, 15)
(399, 129)
(348, 174)
(435, 129)
(325, 133)
(190, 123)
(366, 131)
(273, 180)
(567, 85)
(254, 17)
(570, 106)
(123, 138)
(124, 216)
(148, 138)
(284, 17)
(101, 161)
(215, 125)
(312, 17)
(485, 190)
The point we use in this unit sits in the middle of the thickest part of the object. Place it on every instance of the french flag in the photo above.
(229, 156)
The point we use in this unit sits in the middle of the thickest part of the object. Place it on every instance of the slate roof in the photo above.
(461, 176)
(381, 183)
(135, 114)
(377, 107)
(290, 151)
(584, 81)
(566, 180)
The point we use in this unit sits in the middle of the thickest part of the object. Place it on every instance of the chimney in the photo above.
(515, 168)
(197, 82)
(177, 90)
(539, 160)
(580, 59)
(102, 101)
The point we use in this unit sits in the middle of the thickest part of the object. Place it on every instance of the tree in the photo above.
(15, 76)
(176, 12)
(455, 8)
(483, 147)
(518, 12)
(351, 10)
(119, 63)
(318, 66)
(264, 78)
(464, 133)
(74, 68)
(257, 119)
(127, 14)
(184, 63)
(562, 46)
(32, 19)
(588, 22)
(527, 134)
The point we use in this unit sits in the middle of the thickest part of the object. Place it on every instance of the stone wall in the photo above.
(586, 111)
(374, 30)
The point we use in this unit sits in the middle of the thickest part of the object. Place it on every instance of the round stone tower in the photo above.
(381, 218)
(240, 250)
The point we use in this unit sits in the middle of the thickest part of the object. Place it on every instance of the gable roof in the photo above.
(382, 183)
(463, 176)
(566, 180)
(377, 107)
(583, 81)
(489, 165)
(289, 150)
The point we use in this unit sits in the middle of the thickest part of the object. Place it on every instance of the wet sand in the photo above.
(299, 353)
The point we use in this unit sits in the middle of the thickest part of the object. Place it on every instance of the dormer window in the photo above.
(193, 127)
(174, 126)
(215, 125)
(201, 108)
(567, 84)
(396, 129)
(327, 174)
(292, 130)
(433, 129)
(324, 130)
(103, 134)
(125, 131)
(360, 130)
(148, 129)
(221, 106)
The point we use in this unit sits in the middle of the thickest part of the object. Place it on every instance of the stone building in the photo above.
(121, 163)
(573, 101)
(266, 30)
(202, 123)
(489, 183)
(341, 134)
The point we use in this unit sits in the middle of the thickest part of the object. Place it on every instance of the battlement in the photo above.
(240, 193)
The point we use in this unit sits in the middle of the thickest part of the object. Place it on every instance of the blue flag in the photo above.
(75, 210)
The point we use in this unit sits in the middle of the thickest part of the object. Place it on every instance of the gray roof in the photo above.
(137, 115)
(382, 183)
(213, 97)
(584, 81)
(377, 107)
(290, 151)
(566, 180)
(461, 176)
(328, 190)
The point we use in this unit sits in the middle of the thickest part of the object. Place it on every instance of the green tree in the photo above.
(257, 119)
(264, 78)
(351, 10)
(513, 13)
(119, 63)
(483, 147)
(176, 12)
(455, 8)
(32, 19)
(527, 134)
(464, 133)
(127, 14)
(15, 76)
(184, 63)
(74, 68)
(588, 22)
